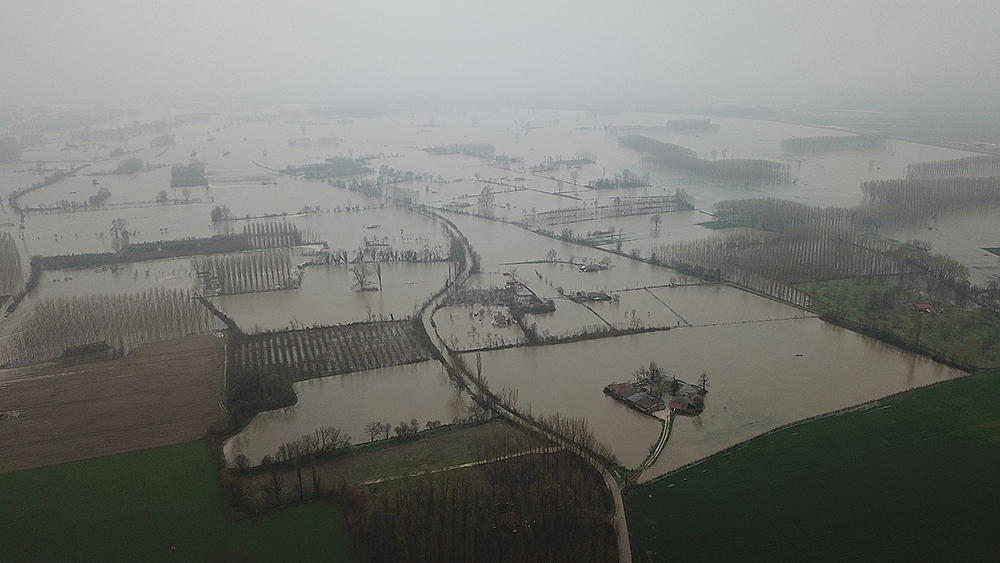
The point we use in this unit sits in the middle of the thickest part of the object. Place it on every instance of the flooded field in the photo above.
(349, 402)
(761, 375)
(768, 364)
(327, 297)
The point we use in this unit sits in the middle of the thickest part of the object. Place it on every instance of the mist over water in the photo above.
(269, 85)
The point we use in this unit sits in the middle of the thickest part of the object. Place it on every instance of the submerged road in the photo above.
(426, 317)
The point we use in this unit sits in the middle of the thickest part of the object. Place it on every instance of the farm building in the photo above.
(635, 398)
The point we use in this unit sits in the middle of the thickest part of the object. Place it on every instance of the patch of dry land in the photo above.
(161, 393)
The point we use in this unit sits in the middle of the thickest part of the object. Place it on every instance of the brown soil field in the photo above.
(161, 393)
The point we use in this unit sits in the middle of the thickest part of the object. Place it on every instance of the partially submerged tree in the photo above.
(362, 277)
(220, 213)
(119, 234)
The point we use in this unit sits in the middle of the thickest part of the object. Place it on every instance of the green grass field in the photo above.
(913, 478)
(136, 506)
(971, 337)
(446, 446)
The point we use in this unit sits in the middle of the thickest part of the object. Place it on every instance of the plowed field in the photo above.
(161, 393)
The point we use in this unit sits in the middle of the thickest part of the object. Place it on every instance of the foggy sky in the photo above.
(853, 53)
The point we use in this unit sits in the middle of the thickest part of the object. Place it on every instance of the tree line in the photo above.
(773, 214)
(743, 172)
(11, 272)
(906, 201)
(626, 179)
(832, 143)
(733, 171)
(769, 262)
(969, 166)
(334, 167)
(696, 124)
(188, 175)
(389, 192)
(123, 321)
(275, 234)
(619, 207)
(245, 272)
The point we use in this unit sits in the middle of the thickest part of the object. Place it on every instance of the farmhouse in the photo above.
(924, 308)
(634, 397)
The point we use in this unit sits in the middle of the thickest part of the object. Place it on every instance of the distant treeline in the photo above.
(906, 201)
(331, 168)
(772, 214)
(139, 129)
(11, 272)
(833, 143)
(146, 251)
(971, 166)
(801, 243)
(624, 180)
(887, 203)
(671, 125)
(656, 148)
(132, 165)
(380, 190)
(247, 272)
(733, 172)
(189, 175)
(163, 141)
(275, 234)
(120, 321)
(770, 262)
(480, 150)
(620, 207)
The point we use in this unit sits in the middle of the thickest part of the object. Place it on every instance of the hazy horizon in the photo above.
(665, 54)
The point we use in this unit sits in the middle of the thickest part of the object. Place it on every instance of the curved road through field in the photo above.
(426, 316)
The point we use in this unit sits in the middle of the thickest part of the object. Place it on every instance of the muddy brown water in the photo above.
(757, 379)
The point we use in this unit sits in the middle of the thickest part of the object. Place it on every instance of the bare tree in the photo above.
(373, 428)
(362, 276)
(119, 234)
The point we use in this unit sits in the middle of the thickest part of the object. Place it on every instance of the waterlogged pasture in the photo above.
(349, 402)
(328, 296)
(470, 327)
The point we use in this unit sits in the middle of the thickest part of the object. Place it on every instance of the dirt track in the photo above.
(162, 393)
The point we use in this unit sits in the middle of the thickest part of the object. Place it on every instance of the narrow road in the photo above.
(426, 316)
(460, 466)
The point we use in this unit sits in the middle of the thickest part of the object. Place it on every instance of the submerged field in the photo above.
(160, 504)
(907, 479)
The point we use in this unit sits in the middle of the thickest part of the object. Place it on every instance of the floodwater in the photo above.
(137, 277)
(328, 297)
(761, 375)
(349, 402)
(749, 346)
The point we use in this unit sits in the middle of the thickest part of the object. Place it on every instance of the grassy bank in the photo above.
(910, 479)
(884, 310)
(137, 506)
